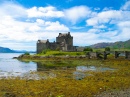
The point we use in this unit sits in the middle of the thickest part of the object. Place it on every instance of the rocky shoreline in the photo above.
(36, 57)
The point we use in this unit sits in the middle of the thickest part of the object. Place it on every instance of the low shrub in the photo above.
(26, 53)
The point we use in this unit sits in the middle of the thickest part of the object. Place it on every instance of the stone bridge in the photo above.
(104, 54)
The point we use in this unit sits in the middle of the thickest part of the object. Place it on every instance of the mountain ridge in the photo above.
(114, 45)
(8, 50)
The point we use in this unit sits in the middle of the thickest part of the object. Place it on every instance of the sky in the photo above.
(23, 22)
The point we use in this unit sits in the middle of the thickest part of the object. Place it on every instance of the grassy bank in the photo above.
(63, 85)
(61, 53)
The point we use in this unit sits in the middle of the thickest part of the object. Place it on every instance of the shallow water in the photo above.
(80, 72)
(12, 68)
(92, 68)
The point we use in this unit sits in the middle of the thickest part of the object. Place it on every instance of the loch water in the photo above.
(12, 67)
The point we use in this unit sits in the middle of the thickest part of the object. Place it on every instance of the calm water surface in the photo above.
(10, 67)
(13, 67)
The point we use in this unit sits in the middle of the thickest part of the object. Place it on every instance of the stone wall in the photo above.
(42, 46)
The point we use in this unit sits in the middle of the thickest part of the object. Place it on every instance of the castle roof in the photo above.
(42, 41)
(63, 34)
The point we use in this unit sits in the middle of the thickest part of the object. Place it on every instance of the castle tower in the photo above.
(67, 39)
(42, 45)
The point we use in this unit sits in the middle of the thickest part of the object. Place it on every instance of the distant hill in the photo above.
(115, 45)
(8, 50)
(102, 45)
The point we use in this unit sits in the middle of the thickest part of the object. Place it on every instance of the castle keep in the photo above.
(64, 42)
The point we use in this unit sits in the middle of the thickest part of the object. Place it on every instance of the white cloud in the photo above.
(12, 10)
(109, 35)
(91, 37)
(27, 31)
(87, 38)
(40, 21)
(56, 26)
(124, 24)
(125, 33)
(124, 28)
(34, 28)
(75, 27)
(107, 9)
(104, 17)
(92, 21)
(126, 6)
(77, 13)
(110, 14)
(100, 26)
(48, 11)
(16, 27)
(113, 25)
(93, 30)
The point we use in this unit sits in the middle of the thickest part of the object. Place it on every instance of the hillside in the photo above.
(102, 45)
(115, 45)
(8, 50)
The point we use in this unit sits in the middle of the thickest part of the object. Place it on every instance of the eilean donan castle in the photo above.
(64, 42)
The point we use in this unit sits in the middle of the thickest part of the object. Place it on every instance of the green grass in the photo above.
(60, 53)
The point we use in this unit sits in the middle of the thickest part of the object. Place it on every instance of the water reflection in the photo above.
(80, 72)
(92, 68)
(48, 65)
(43, 66)
(12, 67)
(78, 75)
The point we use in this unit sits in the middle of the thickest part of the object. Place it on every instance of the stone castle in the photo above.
(64, 42)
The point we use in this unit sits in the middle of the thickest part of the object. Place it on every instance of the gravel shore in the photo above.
(122, 93)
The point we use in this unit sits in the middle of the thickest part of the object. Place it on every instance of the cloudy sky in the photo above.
(23, 22)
